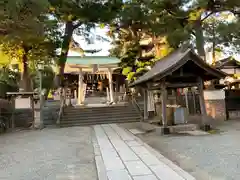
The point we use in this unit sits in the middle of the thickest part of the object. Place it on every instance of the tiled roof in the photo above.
(227, 61)
(90, 60)
(174, 61)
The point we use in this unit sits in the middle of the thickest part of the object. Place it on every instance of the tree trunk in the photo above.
(25, 83)
(214, 46)
(59, 80)
(200, 39)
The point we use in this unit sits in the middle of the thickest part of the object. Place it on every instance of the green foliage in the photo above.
(28, 30)
(8, 81)
(47, 78)
(126, 70)
(9, 77)
(131, 76)
(4, 59)
(178, 21)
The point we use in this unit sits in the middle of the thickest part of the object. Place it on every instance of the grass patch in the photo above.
(214, 131)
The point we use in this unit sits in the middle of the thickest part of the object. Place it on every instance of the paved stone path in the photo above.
(50, 154)
(121, 156)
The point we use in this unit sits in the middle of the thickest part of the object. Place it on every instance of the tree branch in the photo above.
(211, 13)
(77, 25)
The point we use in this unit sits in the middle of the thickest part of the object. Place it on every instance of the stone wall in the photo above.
(23, 117)
(215, 104)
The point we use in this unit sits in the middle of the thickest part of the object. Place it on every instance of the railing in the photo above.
(135, 104)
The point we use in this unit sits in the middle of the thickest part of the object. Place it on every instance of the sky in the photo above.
(104, 46)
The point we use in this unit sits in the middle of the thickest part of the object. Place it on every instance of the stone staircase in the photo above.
(83, 116)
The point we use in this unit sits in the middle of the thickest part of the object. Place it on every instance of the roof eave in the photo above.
(216, 72)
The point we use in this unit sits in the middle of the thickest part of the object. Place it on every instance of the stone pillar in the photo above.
(215, 104)
(80, 87)
(37, 115)
(108, 97)
(110, 85)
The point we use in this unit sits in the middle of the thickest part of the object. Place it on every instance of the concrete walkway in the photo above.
(119, 155)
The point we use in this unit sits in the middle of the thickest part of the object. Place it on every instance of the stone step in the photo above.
(101, 112)
(97, 108)
(87, 123)
(67, 120)
(101, 117)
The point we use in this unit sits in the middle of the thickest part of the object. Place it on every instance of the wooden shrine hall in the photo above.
(180, 69)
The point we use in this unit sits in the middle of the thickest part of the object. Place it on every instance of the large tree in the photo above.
(180, 21)
(77, 17)
(192, 15)
(28, 35)
(138, 23)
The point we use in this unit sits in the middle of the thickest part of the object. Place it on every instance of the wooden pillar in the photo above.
(186, 99)
(110, 85)
(80, 87)
(201, 100)
(145, 96)
(117, 83)
(164, 107)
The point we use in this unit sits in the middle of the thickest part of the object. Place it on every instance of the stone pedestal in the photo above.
(163, 130)
(215, 104)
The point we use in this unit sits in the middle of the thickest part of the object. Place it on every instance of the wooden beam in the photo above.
(173, 85)
(184, 75)
(180, 85)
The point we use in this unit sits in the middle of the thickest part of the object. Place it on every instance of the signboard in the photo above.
(23, 103)
(95, 68)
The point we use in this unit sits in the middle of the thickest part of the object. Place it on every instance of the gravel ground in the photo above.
(50, 154)
(205, 157)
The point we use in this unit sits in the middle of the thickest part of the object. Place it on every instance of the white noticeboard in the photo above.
(150, 104)
(23, 103)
